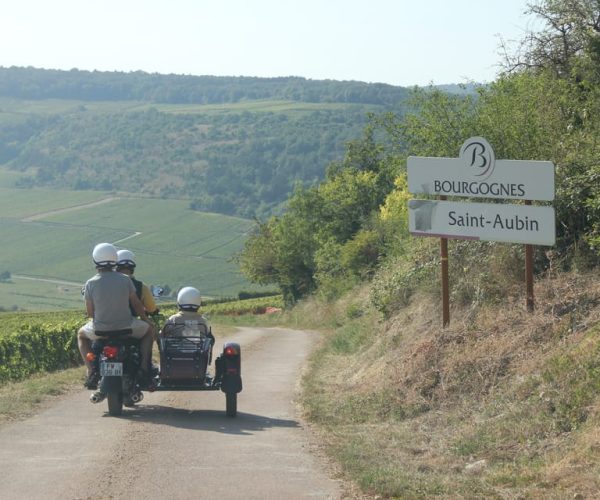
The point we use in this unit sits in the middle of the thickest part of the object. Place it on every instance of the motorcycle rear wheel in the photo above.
(231, 404)
(115, 403)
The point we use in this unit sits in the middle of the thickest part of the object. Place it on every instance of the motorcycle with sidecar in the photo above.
(185, 357)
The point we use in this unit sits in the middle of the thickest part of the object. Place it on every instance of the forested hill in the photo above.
(233, 145)
(33, 83)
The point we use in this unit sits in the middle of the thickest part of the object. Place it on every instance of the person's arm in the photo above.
(89, 307)
(148, 300)
(138, 307)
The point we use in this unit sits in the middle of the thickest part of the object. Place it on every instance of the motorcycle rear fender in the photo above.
(232, 372)
(111, 384)
(231, 383)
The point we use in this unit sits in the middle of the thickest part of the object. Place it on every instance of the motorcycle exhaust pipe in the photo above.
(137, 397)
(97, 397)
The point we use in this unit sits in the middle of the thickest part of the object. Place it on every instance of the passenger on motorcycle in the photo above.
(107, 298)
(126, 265)
(188, 321)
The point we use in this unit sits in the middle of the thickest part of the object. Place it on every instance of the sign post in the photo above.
(529, 272)
(445, 279)
(445, 283)
(477, 174)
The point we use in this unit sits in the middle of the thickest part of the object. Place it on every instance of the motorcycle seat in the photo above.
(114, 333)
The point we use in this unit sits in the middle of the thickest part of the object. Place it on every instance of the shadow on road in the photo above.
(205, 420)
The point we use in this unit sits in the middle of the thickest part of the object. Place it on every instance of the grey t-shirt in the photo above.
(109, 292)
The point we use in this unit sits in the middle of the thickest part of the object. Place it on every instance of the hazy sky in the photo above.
(401, 42)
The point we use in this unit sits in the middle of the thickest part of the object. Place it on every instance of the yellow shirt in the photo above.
(148, 299)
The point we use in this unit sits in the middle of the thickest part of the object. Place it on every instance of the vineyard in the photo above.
(174, 245)
(42, 342)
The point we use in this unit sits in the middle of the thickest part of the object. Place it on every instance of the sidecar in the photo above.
(184, 360)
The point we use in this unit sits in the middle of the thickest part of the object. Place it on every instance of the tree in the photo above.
(258, 258)
(436, 125)
(568, 42)
(281, 252)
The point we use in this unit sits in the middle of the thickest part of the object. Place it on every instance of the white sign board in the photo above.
(482, 221)
(476, 173)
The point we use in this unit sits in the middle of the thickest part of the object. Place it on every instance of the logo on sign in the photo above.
(478, 157)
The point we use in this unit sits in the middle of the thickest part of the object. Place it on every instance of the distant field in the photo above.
(173, 245)
(39, 295)
(11, 108)
(22, 203)
(257, 106)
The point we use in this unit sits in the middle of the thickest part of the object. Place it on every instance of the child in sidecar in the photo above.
(188, 322)
(186, 342)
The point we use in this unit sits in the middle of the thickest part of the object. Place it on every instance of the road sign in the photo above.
(482, 221)
(477, 174)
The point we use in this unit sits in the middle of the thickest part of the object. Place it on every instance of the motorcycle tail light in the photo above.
(91, 357)
(231, 351)
(110, 351)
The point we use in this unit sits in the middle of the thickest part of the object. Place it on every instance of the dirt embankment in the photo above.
(501, 404)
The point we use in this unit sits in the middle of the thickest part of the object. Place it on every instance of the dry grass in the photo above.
(502, 404)
(22, 399)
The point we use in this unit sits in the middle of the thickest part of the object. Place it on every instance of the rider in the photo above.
(126, 265)
(188, 318)
(107, 298)
(188, 321)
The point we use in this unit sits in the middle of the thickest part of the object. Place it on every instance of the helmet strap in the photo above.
(105, 268)
(189, 308)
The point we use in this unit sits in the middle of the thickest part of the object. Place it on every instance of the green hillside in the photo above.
(174, 245)
(174, 147)
(235, 146)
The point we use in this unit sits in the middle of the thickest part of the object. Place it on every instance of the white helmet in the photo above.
(125, 258)
(189, 298)
(104, 255)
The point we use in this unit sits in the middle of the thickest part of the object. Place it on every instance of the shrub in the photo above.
(360, 255)
(398, 278)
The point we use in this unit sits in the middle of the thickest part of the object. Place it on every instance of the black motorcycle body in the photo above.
(119, 362)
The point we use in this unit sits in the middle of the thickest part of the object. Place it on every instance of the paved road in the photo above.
(177, 445)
